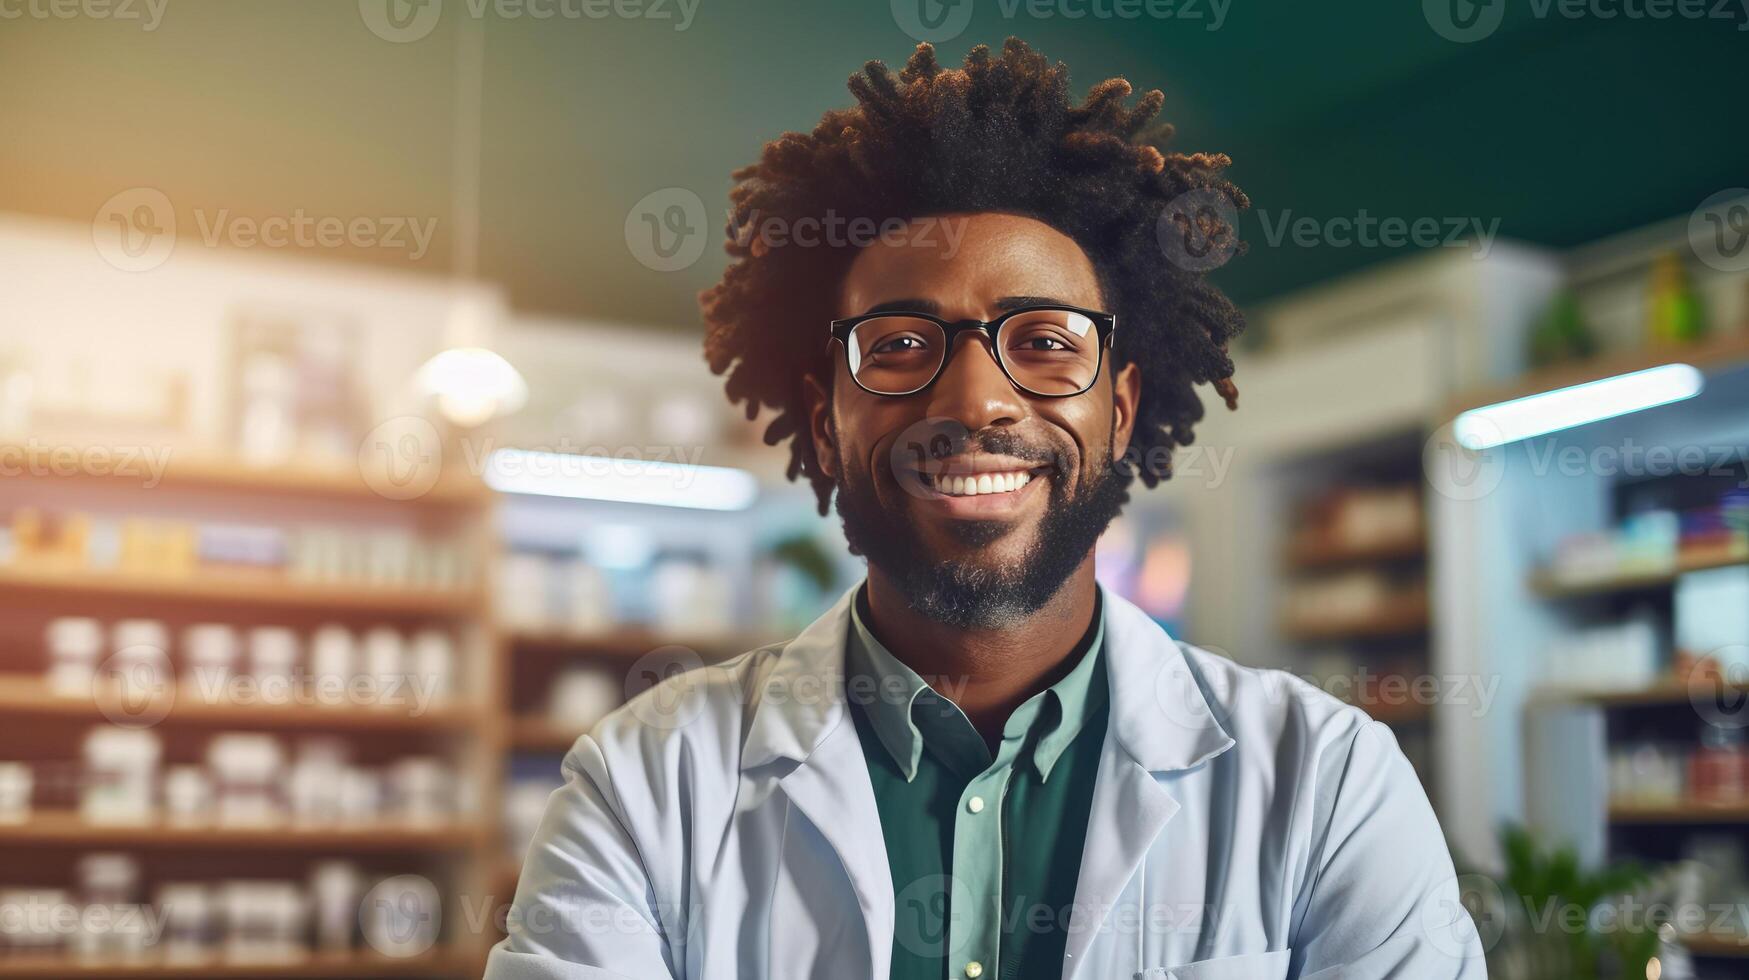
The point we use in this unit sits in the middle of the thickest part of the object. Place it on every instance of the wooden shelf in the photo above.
(1551, 586)
(29, 696)
(198, 471)
(1720, 352)
(1400, 618)
(1665, 692)
(338, 965)
(1679, 813)
(266, 592)
(63, 828)
(630, 643)
(1308, 553)
(1407, 713)
(1715, 944)
(69, 828)
(540, 735)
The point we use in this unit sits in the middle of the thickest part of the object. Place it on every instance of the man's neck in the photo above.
(994, 671)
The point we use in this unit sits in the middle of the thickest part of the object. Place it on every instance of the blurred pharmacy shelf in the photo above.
(28, 696)
(70, 829)
(339, 966)
(79, 585)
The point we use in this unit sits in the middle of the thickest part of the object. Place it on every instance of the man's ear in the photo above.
(818, 402)
(1126, 395)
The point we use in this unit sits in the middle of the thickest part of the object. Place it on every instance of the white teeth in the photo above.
(981, 483)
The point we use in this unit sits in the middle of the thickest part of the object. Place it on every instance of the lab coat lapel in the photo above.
(802, 719)
(1161, 722)
(832, 790)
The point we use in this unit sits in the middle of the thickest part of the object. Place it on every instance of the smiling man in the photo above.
(979, 763)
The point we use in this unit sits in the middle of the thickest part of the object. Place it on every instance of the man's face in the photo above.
(984, 559)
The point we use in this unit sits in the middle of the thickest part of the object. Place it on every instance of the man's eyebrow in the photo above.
(1016, 302)
(928, 306)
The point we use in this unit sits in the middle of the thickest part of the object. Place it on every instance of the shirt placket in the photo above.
(979, 852)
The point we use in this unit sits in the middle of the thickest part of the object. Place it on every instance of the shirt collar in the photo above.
(907, 713)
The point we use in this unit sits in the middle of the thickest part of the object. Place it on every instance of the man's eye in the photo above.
(897, 345)
(1041, 342)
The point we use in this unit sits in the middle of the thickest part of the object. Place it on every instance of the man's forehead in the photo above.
(969, 262)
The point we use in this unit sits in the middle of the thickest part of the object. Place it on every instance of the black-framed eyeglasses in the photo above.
(1048, 351)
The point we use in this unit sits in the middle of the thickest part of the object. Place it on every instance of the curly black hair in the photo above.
(998, 135)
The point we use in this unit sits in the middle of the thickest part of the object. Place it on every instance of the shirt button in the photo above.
(974, 970)
(976, 805)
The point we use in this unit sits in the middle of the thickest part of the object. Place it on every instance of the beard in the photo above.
(971, 594)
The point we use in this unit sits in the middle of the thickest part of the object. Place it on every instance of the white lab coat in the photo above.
(1243, 825)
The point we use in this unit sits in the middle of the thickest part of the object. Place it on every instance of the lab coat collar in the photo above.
(1161, 716)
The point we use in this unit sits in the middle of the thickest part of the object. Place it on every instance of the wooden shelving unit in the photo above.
(1309, 553)
(358, 966)
(1678, 813)
(1402, 617)
(25, 696)
(204, 471)
(469, 733)
(1722, 351)
(261, 591)
(70, 829)
(540, 735)
(1716, 944)
(1552, 586)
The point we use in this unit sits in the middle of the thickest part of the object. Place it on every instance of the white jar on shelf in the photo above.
(187, 923)
(333, 660)
(334, 894)
(121, 770)
(246, 772)
(385, 664)
(16, 783)
(33, 930)
(432, 666)
(523, 591)
(581, 696)
(273, 662)
(75, 644)
(361, 796)
(264, 921)
(421, 789)
(188, 796)
(209, 653)
(315, 783)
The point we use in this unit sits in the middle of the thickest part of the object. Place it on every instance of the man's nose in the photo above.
(972, 388)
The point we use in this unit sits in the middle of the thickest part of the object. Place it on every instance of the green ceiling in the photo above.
(1564, 129)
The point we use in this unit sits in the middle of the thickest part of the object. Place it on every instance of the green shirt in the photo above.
(984, 851)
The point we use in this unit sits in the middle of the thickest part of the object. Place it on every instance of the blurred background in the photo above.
(357, 451)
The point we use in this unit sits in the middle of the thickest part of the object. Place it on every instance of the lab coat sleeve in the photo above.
(585, 908)
(1382, 897)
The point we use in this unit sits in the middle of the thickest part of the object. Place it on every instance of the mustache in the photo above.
(944, 443)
